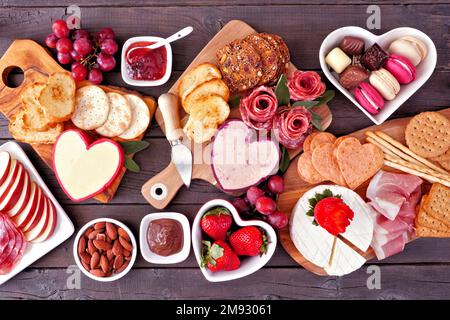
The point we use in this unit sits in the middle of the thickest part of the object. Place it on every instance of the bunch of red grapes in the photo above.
(262, 201)
(90, 54)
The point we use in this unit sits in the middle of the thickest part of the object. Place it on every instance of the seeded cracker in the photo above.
(269, 58)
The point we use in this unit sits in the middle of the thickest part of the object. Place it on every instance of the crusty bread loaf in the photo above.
(58, 96)
(201, 73)
(119, 117)
(91, 108)
(22, 133)
(215, 86)
(35, 116)
(140, 117)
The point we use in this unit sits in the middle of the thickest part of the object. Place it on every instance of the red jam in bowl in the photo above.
(146, 64)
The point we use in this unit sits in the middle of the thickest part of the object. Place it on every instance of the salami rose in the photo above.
(305, 85)
(292, 125)
(258, 108)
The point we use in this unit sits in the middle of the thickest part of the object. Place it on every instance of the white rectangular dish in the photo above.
(64, 226)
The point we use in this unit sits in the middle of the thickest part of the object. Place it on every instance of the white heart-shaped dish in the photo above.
(248, 264)
(424, 69)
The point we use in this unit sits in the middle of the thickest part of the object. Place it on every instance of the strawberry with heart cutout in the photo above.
(216, 223)
(219, 256)
(248, 241)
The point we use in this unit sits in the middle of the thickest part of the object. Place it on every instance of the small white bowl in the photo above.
(113, 277)
(424, 69)
(145, 83)
(152, 257)
(248, 265)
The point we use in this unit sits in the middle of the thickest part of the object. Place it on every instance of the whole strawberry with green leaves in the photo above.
(248, 241)
(216, 223)
(219, 256)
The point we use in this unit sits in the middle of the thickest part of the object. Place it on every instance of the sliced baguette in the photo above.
(201, 73)
(215, 86)
(58, 96)
(140, 117)
(211, 110)
(92, 108)
(119, 117)
(35, 117)
(198, 132)
(22, 133)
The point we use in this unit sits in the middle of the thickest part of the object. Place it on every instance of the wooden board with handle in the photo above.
(37, 64)
(295, 187)
(169, 180)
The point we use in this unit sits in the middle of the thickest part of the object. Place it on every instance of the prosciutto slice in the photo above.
(12, 245)
(258, 108)
(292, 125)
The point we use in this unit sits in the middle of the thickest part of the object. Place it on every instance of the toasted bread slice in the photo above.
(92, 108)
(198, 132)
(35, 116)
(215, 86)
(140, 117)
(58, 96)
(22, 133)
(201, 73)
(119, 117)
(211, 110)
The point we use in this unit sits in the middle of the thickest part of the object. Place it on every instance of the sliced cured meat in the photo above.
(408, 209)
(385, 226)
(4, 236)
(389, 249)
(15, 248)
(292, 125)
(8, 248)
(259, 108)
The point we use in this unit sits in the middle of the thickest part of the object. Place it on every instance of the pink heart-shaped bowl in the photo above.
(424, 69)
(248, 264)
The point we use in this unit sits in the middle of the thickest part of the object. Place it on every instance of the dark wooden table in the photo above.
(421, 271)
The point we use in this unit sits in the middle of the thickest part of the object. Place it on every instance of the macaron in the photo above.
(385, 83)
(369, 98)
(338, 60)
(401, 68)
(410, 47)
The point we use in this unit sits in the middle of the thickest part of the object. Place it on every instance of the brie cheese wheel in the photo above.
(316, 244)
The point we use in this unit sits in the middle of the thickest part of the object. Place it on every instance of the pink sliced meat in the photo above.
(15, 248)
(258, 108)
(389, 249)
(408, 209)
(292, 125)
(4, 261)
(385, 226)
(4, 236)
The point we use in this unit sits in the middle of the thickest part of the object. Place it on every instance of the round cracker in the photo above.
(269, 57)
(306, 170)
(119, 117)
(445, 164)
(91, 108)
(321, 138)
(428, 134)
(140, 117)
(307, 142)
(442, 157)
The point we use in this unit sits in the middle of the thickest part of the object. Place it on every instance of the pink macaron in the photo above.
(369, 98)
(401, 68)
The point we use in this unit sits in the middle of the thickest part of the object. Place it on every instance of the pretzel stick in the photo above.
(400, 146)
(379, 145)
(427, 177)
(418, 168)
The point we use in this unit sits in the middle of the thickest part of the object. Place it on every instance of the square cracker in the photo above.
(437, 203)
(424, 219)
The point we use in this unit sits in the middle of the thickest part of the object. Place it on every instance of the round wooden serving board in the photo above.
(295, 187)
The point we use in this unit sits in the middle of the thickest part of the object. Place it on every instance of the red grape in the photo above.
(241, 205)
(106, 33)
(64, 45)
(95, 76)
(278, 220)
(109, 46)
(79, 71)
(76, 56)
(265, 205)
(80, 33)
(276, 184)
(51, 40)
(106, 62)
(253, 193)
(60, 29)
(64, 58)
(83, 46)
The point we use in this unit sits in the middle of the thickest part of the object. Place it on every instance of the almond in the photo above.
(86, 265)
(126, 253)
(118, 262)
(88, 231)
(104, 264)
(125, 244)
(85, 257)
(91, 248)
(117, 248)
(123, 267)
(111, 264)
(111, 231)
(110, 254)
(102, 245)
(123, 234)
(93, 234)
(99, 225)
(82, 245)
(98, 273)
(101, 236)
(95, 260)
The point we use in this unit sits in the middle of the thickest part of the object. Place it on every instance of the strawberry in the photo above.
(216, 222)
(333, 215)
(219, 256)
(248, 241)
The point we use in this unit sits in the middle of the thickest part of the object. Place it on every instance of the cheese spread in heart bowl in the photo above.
(337, 255)
(85, 168)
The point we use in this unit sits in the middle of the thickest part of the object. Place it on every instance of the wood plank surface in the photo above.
(303, 24)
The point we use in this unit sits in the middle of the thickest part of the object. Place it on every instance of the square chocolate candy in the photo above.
(374, 58)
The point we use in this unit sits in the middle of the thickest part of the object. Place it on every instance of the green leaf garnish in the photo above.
(316, 120)
(285, 160)
(131, 165)
(130, 147)
(234, 101)
(282, 91)
(307, 104)
(326, 97)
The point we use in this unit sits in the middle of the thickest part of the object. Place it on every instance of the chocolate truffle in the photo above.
(374, 58)
(352, 76)
(352, 45)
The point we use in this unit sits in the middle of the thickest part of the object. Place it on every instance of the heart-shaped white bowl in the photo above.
(424, 69)
(248, 264)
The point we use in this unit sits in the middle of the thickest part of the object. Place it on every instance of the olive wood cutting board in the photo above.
(37, 64)
(295, 187)
(168, 179)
